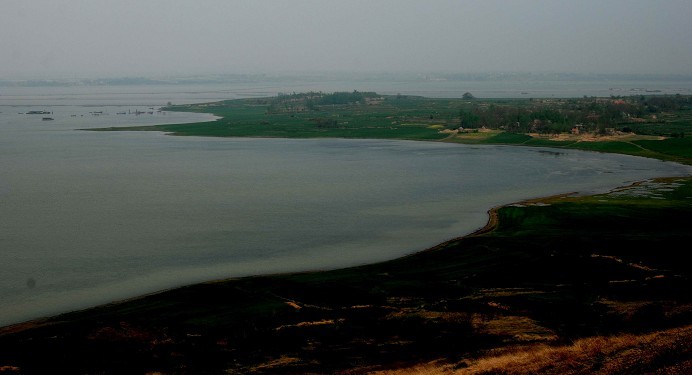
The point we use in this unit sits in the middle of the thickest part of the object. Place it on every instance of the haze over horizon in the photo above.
(83, 38)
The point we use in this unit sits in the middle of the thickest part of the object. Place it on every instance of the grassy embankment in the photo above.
(556, 285)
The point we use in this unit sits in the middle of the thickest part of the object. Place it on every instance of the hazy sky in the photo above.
(83, 38)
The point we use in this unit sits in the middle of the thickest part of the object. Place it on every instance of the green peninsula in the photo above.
(649, 126)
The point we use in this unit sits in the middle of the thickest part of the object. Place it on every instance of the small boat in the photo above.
(47, 118)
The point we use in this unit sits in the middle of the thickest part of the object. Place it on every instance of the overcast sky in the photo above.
(87, 38)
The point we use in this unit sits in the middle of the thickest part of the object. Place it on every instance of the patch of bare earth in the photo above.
(590, 137)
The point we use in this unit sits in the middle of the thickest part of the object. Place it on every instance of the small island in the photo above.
(583, 284)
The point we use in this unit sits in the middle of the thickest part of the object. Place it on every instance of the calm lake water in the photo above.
(91, 217)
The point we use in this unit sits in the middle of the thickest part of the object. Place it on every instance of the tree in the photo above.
(468, 119)
(468, 95)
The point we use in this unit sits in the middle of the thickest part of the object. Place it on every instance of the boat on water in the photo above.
(47, 118)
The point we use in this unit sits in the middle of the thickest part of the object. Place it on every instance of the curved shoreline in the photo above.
(491, 225)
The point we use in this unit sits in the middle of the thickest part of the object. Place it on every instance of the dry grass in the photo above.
(663, 352)
(283, 361)
(515, 328)
(323, 322)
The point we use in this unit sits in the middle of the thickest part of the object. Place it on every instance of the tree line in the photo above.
(562, 115)
(299, 102)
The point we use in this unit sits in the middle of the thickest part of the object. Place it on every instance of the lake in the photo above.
(91, 217)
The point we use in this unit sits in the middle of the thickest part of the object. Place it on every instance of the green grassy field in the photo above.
(575, 283)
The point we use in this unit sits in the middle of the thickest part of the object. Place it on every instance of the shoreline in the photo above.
(48, 320)
(469, 230)
(491, 224)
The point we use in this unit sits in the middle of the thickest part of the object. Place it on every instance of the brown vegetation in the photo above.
(663, 352)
